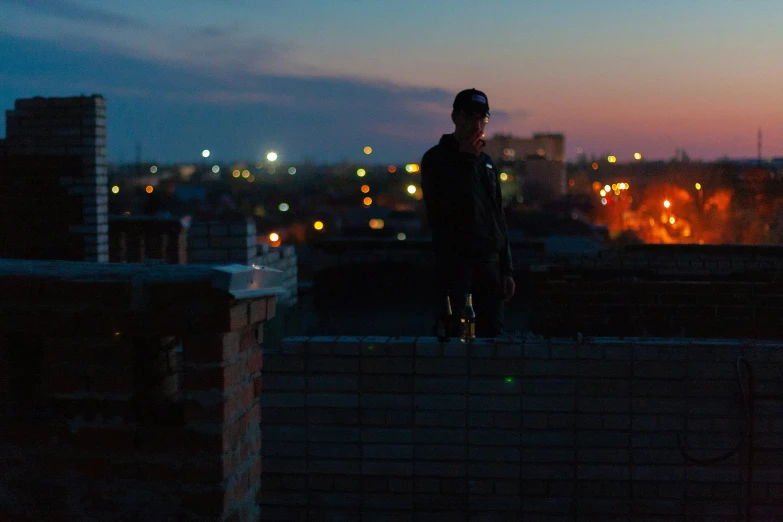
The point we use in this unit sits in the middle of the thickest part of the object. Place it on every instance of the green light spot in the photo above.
(370, 347)
(509, 379)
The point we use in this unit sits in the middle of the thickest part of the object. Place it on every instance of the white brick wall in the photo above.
(69, 126)
(518, 429)
(222, 241)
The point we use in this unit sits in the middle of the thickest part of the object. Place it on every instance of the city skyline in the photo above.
(322, 81)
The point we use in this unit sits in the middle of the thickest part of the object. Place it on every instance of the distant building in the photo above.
(53, 180)
(505, 147)
(538, 164)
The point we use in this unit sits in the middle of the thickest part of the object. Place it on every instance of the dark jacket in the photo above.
(464, 205)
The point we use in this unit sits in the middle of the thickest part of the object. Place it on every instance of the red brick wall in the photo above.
(120, 405)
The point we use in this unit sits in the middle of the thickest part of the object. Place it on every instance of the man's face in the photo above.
(469, 124)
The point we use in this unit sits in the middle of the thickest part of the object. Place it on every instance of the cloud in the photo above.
(215, 49)
(70, 11)
(234, 98)
(175, 110)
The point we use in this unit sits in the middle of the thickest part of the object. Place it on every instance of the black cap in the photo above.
(472, 100)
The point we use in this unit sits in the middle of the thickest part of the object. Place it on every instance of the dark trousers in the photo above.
(476, 274)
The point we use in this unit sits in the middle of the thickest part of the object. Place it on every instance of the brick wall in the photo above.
(726, 291)
(128, 392)
(411, 429)
(36, 211)
(226, 240)
(63, 128)
(135, 239)
(281, 258)
(672, 261)
(233, 240)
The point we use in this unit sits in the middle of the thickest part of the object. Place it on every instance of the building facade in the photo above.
(537, 164)
(53, 171)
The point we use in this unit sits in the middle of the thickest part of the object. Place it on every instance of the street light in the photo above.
(272, 156)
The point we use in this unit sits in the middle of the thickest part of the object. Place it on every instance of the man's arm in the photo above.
(506, 265)
(431, 189)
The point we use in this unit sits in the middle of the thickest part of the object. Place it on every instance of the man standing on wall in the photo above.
(461, 188)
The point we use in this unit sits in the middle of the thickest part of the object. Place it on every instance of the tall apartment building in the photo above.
(53, 180)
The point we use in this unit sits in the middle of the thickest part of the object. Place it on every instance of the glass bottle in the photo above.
(468, 321)
(443, 328)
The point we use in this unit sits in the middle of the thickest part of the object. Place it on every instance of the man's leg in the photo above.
(488, 298)
(454, 275)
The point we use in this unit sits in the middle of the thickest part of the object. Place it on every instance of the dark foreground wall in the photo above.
(395, 429)
(128, 393)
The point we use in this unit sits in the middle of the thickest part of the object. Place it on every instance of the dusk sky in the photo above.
(322, 79)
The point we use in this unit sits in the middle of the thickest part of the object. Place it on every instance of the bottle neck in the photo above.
(469, 300)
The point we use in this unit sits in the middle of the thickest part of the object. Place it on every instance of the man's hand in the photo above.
(509, 286)
(471, 144)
